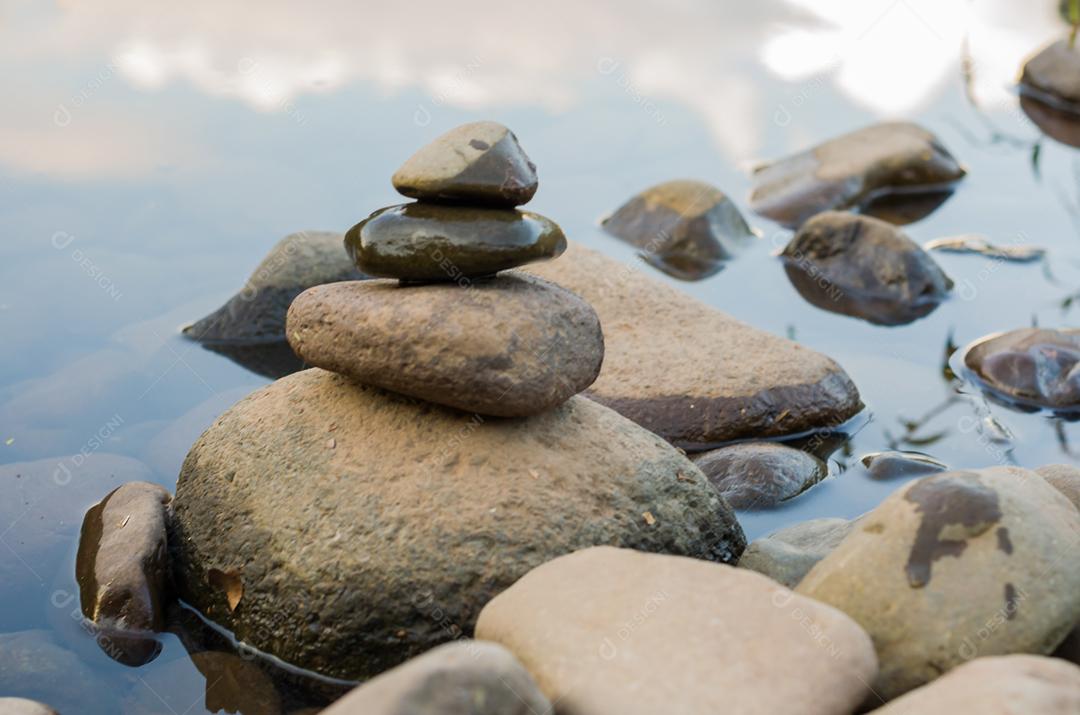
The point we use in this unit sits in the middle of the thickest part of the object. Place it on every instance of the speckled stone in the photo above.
(346, 529)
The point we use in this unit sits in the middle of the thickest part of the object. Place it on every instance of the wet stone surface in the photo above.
(863, 267)
(122, 566)
(480, 163)
(1031, 367)
(684, 228)
(432, 242)
(853, 169)
(760, 475)
(896, 464)
(1053, 76)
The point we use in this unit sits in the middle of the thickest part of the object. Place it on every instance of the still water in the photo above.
(150, 157)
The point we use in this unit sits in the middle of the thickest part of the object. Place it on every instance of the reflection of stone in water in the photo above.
(684, 267)
(1029, 368)
(877, 309)
(1056, 122)
(904, 207)
(271, 359)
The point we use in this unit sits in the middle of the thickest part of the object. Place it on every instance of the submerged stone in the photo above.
(35, 667)
(863, 267)
(345, 529)
(1033, 367)
(895, 464)
(685, 228)
(853, 169)
(607, 630)
(257, 313)
(476, 163)
(691, 373)
(1053, 75)
(510, 347)
(760, 475)
(955, 566)
(432, 242)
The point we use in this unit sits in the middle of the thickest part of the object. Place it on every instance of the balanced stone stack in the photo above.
(452, 331)
(359, 513)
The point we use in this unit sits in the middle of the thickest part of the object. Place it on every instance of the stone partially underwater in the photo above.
(1028, 368)
(855, 170)
(865, 268)
(346, 558)
(250, 328)
(685, 228)
(692, 374)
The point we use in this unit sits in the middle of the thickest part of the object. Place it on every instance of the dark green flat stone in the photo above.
(434, 242)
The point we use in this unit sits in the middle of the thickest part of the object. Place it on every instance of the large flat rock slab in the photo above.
(692, 374)
(346, 528)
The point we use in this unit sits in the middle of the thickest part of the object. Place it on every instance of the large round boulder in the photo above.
(345, 529)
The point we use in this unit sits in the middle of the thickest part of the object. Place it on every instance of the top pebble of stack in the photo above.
(480, 163)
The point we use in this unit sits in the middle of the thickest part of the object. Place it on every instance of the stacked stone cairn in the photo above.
(454, 328)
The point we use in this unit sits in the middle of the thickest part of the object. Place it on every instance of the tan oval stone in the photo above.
(1003, 685)
(617, 631)
(957, 566)
(509, 347)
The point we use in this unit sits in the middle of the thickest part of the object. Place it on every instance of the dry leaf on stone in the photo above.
(228, 581)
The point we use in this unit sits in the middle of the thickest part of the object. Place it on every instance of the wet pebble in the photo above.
(685, 228)
(852, 170)
(953, 566)
(122, 562)
(433, 242)
(1034, 367)
(760, 475)
(480, 163)
(895, 464)
(1053, 75)
(863, 267)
